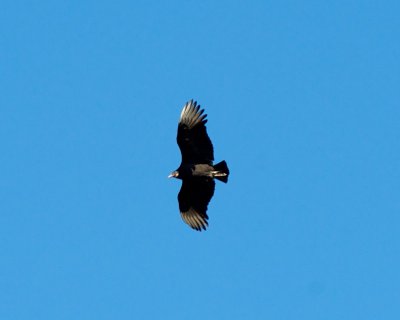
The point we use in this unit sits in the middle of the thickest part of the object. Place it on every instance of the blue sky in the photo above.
(303, 103)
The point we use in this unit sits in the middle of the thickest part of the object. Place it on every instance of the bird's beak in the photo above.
(173, 174)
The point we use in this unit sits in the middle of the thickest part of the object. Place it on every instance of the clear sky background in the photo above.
(303, 103)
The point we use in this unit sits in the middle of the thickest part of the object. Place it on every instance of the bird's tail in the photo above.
(221, 171)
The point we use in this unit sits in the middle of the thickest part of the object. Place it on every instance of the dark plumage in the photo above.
(196, 171)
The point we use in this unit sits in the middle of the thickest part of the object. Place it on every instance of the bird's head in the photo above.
(174, 174)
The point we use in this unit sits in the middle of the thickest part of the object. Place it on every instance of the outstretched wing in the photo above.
(193, 201)
(193, 140)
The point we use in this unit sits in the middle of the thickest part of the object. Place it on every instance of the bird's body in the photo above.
(196, 171)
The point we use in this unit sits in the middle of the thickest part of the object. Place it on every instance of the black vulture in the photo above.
(196, 171)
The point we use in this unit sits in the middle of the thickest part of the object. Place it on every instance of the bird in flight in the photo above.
(197, 170)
